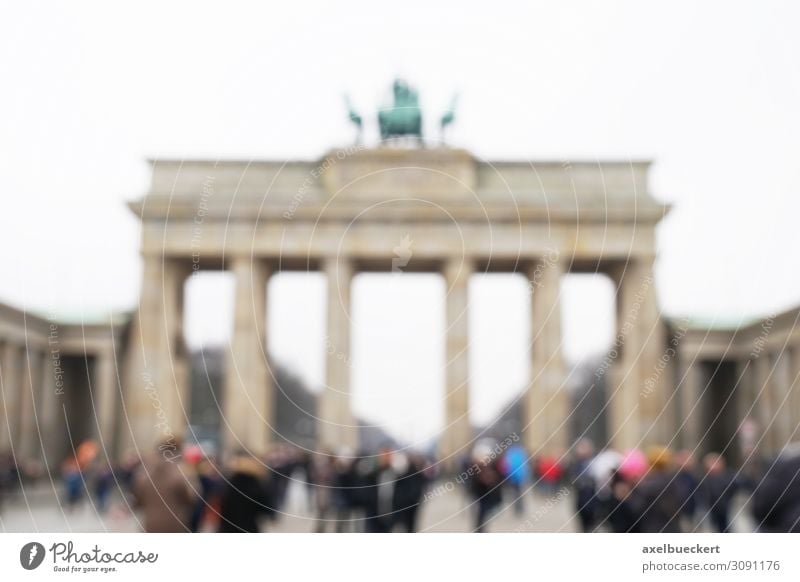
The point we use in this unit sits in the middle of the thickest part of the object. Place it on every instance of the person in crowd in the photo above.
(128, 468)
(484, 486)
(584, 486)
(377, 487)
(322, 473)
(409, 487)
(717, 489)
(619, 510)
(206, 508)
(305, 463)
(7, 475)
(244, 498)
(549, 473)
(687, 484)
(346, 494)
(165, 489)
(775, 502)
(281, 462)
(517, 475)
(103, 485)
(73, 483)
(656, 499)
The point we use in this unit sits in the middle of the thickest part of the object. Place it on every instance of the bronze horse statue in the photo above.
(404, 117)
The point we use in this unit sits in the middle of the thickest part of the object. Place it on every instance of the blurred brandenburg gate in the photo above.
(125, 383)
(346, 214)
(123, 379)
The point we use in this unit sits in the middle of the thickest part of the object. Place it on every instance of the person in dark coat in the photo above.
(618, 509)
(376, 491)
(776, 498)
(584, 486)
(409, 487)
(717, 490)
(209, 481)
(245, 497)
(688, 484)
(282, 462)
(656, 498)
(484, 485)
(346, 493)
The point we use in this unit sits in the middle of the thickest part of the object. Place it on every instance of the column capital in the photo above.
(632, 269)
(247, 259)
(458, 269)
(546, 271)
(338, 263)
(552, 256)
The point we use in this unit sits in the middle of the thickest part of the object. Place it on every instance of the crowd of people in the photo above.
(196, 491)
(662, 491)
(655, 490)
(651, 491)
(375, 493)
(658, 490)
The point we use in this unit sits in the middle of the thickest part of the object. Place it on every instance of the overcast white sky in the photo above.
(710, 91)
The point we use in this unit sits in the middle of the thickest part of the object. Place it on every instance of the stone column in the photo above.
(656, 422)
(336, 426)
(633, 410)
(29, 444)
(547, 403)
(781, 394)
(763, 401)
(4, 388)
(248, 401)
(155, 404)
(104, 397)
(745, 403)
(456, 439)
(794, 394)
(11, 386)
(744, 414)
(180, 397)
(52, 408)
(691, 390)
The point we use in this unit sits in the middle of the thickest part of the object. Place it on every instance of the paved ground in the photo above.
(449, 511)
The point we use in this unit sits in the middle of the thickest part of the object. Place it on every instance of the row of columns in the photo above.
(157, 402)
(12, 376)
(766, 392)
(773, 380)
(26, 409)
(33, 390)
